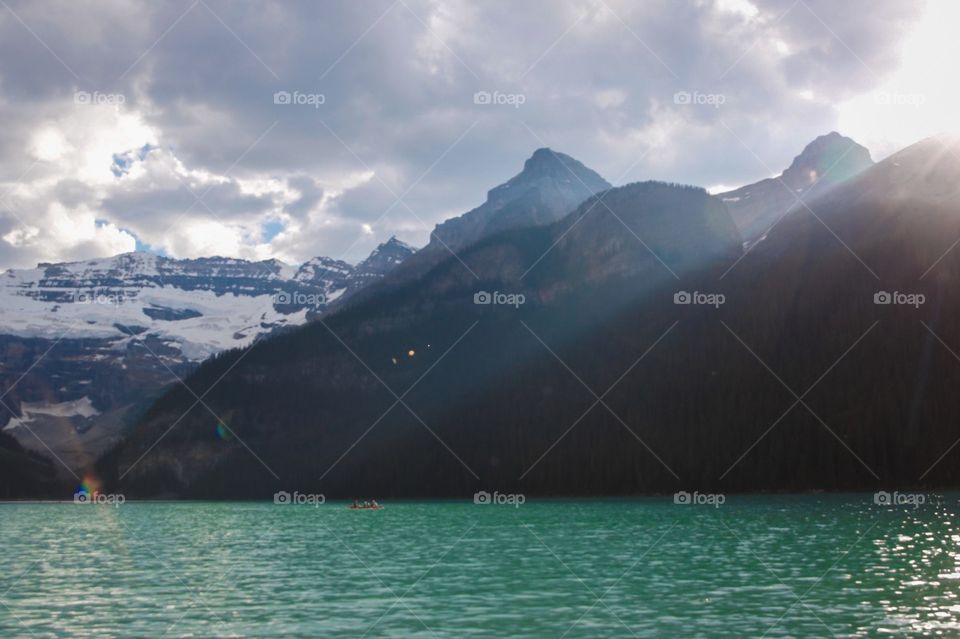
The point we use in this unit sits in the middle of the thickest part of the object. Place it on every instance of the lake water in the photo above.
(774, 566)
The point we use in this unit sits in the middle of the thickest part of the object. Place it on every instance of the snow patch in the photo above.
(82, 407)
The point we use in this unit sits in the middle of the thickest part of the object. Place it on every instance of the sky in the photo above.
(295, 129)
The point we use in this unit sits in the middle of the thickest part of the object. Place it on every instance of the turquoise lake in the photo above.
(774, 566)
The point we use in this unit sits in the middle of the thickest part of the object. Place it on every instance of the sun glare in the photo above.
(917, 100)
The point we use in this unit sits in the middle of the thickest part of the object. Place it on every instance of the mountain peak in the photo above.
(545, 162)
(833, 154)
(828, 160)
(548, 170)
(391, 252)
(394, 243)
(550, 186)
(544, 156)
(386, 257)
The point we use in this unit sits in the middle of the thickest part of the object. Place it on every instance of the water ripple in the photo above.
(757, 566)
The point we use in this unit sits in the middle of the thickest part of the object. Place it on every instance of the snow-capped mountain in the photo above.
(94, 339)
(198, 306)
(384, 259)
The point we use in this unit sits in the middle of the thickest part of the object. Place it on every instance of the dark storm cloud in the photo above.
(398, 80)
(309, 195)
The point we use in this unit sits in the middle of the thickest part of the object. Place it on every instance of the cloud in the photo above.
(382, 106)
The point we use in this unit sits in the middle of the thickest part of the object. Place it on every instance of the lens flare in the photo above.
(223, 432)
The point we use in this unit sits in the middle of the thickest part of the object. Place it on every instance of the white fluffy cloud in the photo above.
(157, 122)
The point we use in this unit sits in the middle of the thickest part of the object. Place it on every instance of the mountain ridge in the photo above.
(549, 186)
(549, 181)
(88, 344)
(828, 160)
(392, 328)
(688, 394)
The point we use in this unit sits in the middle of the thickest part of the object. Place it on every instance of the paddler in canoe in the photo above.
(366, 505)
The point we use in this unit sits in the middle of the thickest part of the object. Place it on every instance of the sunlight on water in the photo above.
(775, 566)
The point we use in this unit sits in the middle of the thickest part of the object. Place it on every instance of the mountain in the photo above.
(384, 259)
(86, 345)
(302, 398)
(873, 260)
(828, 160)
(548, 188)
(811, 361)
(202, 305)
(619, 230)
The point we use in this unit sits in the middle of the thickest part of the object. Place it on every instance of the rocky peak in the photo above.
(547, 168)
(546, 161)
(393, 251)
(831, 157)
(323, 268)
(828, 160)
(393, 244)
(549, 187)
(382, 260)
